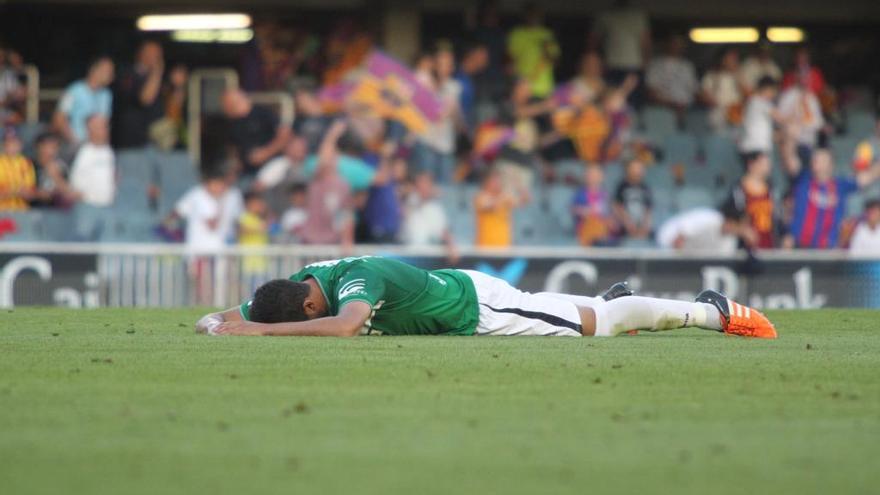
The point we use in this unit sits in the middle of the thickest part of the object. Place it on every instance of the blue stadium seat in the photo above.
(177, 174)
(722, 156)
(136, 167)
(680, 147)
(58, 225)
(696, 122)
(658, 123)
(694, 197)
(128, 227)
(860, 123)
(659, 176)
(843, 148)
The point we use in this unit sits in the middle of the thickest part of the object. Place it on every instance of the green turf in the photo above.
(123, 401)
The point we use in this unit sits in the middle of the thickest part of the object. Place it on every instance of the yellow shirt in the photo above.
(494, 225)
(533, 49)
(254, 232)
(16, 174)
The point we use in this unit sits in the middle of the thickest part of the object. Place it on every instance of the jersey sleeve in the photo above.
(359, 285)
(245, 310)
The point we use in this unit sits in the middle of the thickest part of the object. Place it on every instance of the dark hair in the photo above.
(252, 195)
(766, 82)
(46, 136)
(872, 203)
(750, 156)
(298, 188)
(278, 301)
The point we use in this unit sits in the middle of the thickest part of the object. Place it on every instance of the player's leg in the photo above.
(616, 291)
(711, 311)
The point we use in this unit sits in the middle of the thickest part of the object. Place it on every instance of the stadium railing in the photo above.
(167, 275)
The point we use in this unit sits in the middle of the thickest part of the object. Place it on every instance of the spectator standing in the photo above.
(435, 150)
(12, 91)
(491, 83)
(494, 212)
(820, 199)
(533, 50)
(723, 90)
(382, 214)
(758, 66)
(802, 118)
(750, 204)
(804, 73)
(866, 238)
(329, 202)
(82, 99)
(170, 130)
(52, 186)
(591, 208)
(758, 119)
(474, 60)
(671, 79)
(256, 133)
(17, 175)
(590, 82)
(624, 33)
(633, 203)
(93, 179)
(136, 100)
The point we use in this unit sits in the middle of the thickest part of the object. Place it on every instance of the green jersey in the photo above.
(405, 299)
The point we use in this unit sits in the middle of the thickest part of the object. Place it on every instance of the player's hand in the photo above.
(239, 328)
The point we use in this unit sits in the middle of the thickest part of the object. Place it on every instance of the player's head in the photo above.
(822, 164)
(758, 164)
(282, 300)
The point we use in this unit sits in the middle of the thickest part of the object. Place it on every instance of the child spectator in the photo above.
(17, 175)
(758, 119)
(52, 186)
(866, 238)
(253, 231)
(592, 210)
(633, 202)
(294, 217)
(82, 99)
(494, 207)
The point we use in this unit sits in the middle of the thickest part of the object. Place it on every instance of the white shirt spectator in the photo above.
(425, 223)
(622, 31)
(293, 219)
(801, 109)
(754, 69)
(672, 78)
(699, 229)
(441, 135)
(93, 174)
(200, 210)
(723, 87)
(865, 241)
(757, 126)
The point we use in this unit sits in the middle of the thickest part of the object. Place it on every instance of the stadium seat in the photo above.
(680, 148)
(696, 122)
(58, 226)
(722, 157)
(128, 227)
(658, 123)
(694, 197)
(28, 134)
(860, 123)
(176, 175)
(843, 148)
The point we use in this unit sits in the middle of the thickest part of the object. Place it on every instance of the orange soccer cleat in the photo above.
(738, 319)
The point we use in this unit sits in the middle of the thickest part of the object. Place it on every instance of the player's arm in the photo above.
(209, 323)
(347, 323)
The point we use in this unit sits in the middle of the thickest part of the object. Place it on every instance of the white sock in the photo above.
(647, 313)
(582, 301)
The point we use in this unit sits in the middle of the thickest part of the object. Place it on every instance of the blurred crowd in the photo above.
(348, 174)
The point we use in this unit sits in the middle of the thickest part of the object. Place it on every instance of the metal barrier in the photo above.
(32, 103)
(195, 104)
(167, 275)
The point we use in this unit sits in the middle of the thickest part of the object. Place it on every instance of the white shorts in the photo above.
(506, 310)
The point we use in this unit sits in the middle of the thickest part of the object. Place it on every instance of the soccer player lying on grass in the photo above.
(374, 295)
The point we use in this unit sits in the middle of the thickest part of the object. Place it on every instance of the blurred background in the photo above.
(168, 153)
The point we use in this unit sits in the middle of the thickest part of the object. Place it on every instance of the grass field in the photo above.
(124, 401)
